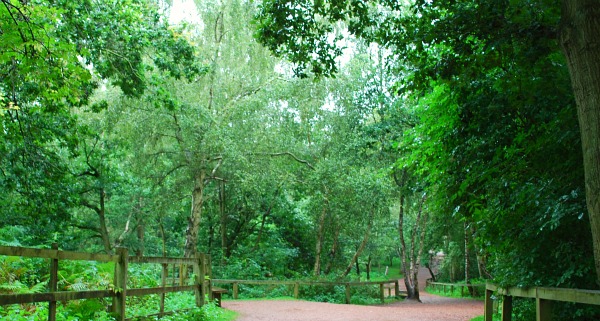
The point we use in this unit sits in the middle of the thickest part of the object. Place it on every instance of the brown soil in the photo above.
(432, 308)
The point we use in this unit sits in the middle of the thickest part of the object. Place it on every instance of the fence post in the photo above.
(53, 285)
(507, 308)
(543, 309)
(235, 290)
(381, 293)
(347, 293)
(120, 283)
(397, 288)
(174, 274)
(296, 290)
(199, 270)
(163, 282)
(208, 272)
(489, 305)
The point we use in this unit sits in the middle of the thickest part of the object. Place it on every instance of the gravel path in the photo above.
(432, 308)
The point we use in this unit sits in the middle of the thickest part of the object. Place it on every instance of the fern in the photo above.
(20, 288)
(38, 288)
(14, 287)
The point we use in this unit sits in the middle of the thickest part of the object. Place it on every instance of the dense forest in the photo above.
(300, 138)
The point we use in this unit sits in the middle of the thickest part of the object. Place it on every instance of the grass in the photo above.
(227, 315)
(455, 293)
(279, 298)
(495, 317)
(393, 270)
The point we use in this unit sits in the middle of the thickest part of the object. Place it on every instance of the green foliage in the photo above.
(459, 292)
(54, 55)
(20, 275)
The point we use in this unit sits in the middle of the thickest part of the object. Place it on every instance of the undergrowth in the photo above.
(23, 275)
(457, 292)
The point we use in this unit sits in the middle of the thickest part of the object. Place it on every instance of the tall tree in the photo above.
(54, 54)
(579, 33)
(480, 50)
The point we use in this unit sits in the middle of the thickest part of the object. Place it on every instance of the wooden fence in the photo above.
(120, 292)
(297, 284)
(543, 297)
(452, 286)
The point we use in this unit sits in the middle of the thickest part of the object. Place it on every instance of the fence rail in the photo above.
(462, 286)
(543, 296)
(297, 284)
(201, 266)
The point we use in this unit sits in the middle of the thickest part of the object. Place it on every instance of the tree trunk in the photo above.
(333, 251)
(357, 266)
(319, 240)
(423, 226)
(104, 234)
(410, 289)
(223, 223)
(415, 260)
(580, 40)
(193, 228)
(163, 237)
(140, 236)
(481, 265)
(467, 257)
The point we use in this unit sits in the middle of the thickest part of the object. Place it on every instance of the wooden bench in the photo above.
(217, 293)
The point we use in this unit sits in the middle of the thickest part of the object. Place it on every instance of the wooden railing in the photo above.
(543, 299)
(200, 264)
(452, 286)
(297, 284)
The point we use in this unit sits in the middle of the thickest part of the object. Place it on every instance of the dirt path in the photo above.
(433, 308)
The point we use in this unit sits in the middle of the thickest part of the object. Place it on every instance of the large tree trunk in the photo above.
(102, 227)
(580, 40)
(415, 259)
(423, 227)
(193, 228)
(410, 289)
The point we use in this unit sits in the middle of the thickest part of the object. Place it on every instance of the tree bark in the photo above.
(193, 228)
(103, 228)
(410, 289)
(368, 268)
(415, 260)
(423, 226)
(580, 41)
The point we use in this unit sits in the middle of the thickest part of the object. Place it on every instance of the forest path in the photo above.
(432, 308)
